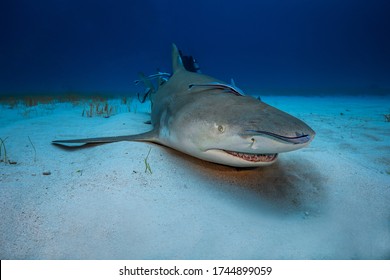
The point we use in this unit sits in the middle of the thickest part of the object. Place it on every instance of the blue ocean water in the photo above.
(266, 46)
(327, 201)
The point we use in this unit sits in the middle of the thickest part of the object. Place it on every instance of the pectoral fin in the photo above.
(150, 136)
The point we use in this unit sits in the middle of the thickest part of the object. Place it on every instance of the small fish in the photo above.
(163, 75)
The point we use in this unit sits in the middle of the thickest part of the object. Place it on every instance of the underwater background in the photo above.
(270, 46)
(67, 71)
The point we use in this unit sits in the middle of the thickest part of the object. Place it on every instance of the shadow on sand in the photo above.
(290, 185)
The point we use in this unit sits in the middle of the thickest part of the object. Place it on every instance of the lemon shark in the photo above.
(214, 121)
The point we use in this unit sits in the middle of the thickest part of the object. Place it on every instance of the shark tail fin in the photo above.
(177, 63)
(150, 136)
(147, 82)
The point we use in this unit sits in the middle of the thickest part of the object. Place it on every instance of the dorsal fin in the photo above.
(177, 63)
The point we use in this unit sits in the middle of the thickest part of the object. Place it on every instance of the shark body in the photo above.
(211, 120)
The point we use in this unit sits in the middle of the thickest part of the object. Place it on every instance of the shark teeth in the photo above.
(254, 157)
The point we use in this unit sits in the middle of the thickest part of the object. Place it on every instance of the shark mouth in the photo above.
(254, 157)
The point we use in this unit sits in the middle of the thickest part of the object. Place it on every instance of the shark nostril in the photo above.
(252, 142)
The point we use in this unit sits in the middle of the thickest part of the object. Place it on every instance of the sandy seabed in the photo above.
(328, 201)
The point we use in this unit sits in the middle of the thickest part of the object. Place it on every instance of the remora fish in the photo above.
(214, 124)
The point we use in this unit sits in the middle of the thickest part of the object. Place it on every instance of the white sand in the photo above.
(328, 201)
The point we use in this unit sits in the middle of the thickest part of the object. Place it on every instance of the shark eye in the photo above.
(221, 128)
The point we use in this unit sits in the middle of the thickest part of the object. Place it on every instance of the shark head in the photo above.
(214, 121)
(239, 131)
